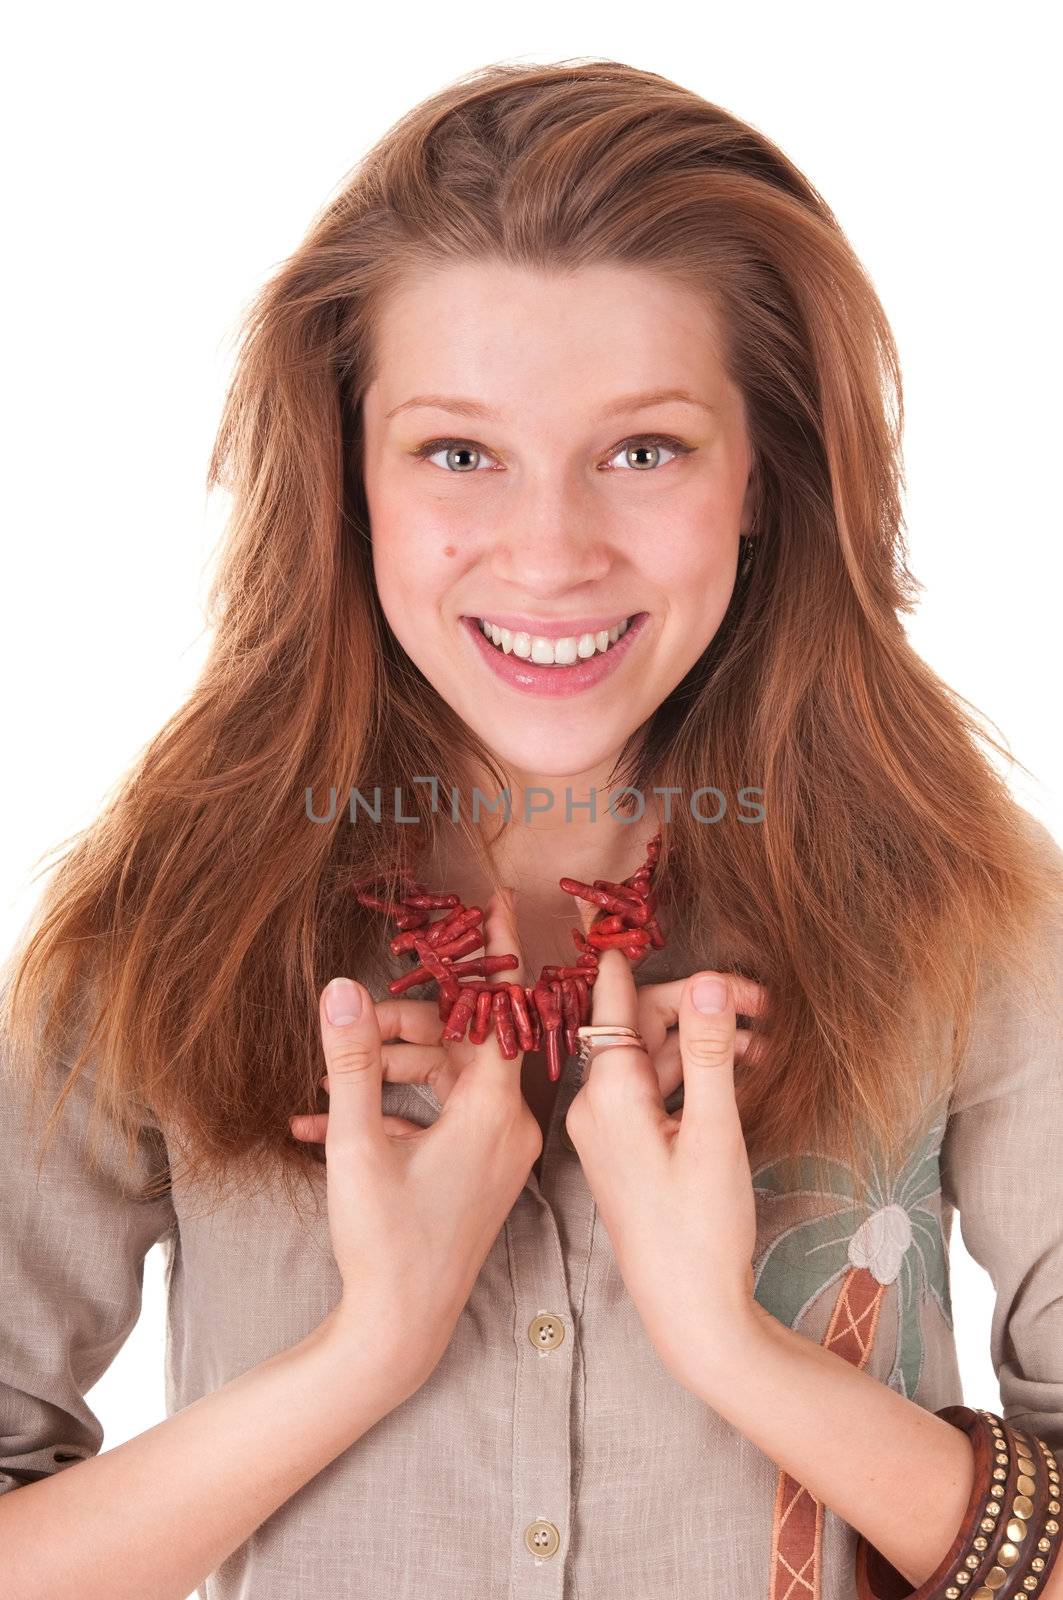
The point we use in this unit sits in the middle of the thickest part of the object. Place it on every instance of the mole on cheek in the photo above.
(449, 550)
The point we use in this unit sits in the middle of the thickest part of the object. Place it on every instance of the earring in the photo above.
(746, 548)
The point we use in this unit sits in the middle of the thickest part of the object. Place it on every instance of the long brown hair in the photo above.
(186, 934)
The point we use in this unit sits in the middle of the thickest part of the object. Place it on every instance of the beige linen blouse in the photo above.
(550, 1455)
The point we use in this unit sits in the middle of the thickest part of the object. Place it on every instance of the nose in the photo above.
(548, 544)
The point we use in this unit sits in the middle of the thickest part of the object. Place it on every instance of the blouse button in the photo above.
(542, 1538)
(546, 1332)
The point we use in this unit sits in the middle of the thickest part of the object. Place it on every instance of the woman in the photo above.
(565, 472)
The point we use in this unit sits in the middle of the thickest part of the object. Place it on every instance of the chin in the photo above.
(553, 763)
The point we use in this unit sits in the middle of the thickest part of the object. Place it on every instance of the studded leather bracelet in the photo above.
(1010, 1537)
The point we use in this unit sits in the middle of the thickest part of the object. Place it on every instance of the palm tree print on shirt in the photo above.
(892, 1237)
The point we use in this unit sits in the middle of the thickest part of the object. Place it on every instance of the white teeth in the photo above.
(552, 652)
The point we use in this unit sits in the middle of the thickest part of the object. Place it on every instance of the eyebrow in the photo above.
(626, 403)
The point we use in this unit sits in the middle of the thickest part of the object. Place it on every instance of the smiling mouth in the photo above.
(563, 652)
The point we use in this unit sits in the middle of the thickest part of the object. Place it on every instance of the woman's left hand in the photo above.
(674, 1192)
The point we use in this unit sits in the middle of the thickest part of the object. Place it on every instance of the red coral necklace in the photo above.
(558, 1002)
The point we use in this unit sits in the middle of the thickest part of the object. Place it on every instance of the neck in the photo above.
(537, 848)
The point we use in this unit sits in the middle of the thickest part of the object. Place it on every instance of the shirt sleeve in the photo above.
(1002, 1169)
(72, 1248)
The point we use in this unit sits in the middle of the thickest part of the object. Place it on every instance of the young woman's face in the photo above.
(523, 465)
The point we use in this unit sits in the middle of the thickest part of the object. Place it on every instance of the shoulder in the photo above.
(1015, 1040)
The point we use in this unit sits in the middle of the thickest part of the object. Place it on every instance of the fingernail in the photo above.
(343, 1002)
(710, 994)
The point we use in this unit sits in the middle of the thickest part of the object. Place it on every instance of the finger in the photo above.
(415, 1021)
(351, 1039)
(314, 1129)
(614, 999)
(408, 1063)
(415, 1063)
(310, 1127)
(435, 1066)
(707, 1048)
(432, 1065)
(659, 1003)
(668, 1062)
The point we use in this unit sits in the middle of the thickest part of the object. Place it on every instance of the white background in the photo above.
(159, 164)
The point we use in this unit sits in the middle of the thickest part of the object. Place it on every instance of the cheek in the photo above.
(416, 561)
(413, 558)
(691, 554)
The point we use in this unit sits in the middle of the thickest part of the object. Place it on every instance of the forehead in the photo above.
(491, 329)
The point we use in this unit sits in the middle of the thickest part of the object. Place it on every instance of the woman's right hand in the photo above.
(413, 1211)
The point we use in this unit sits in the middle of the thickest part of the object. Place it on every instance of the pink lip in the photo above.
(563, 628)
(553, 682)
